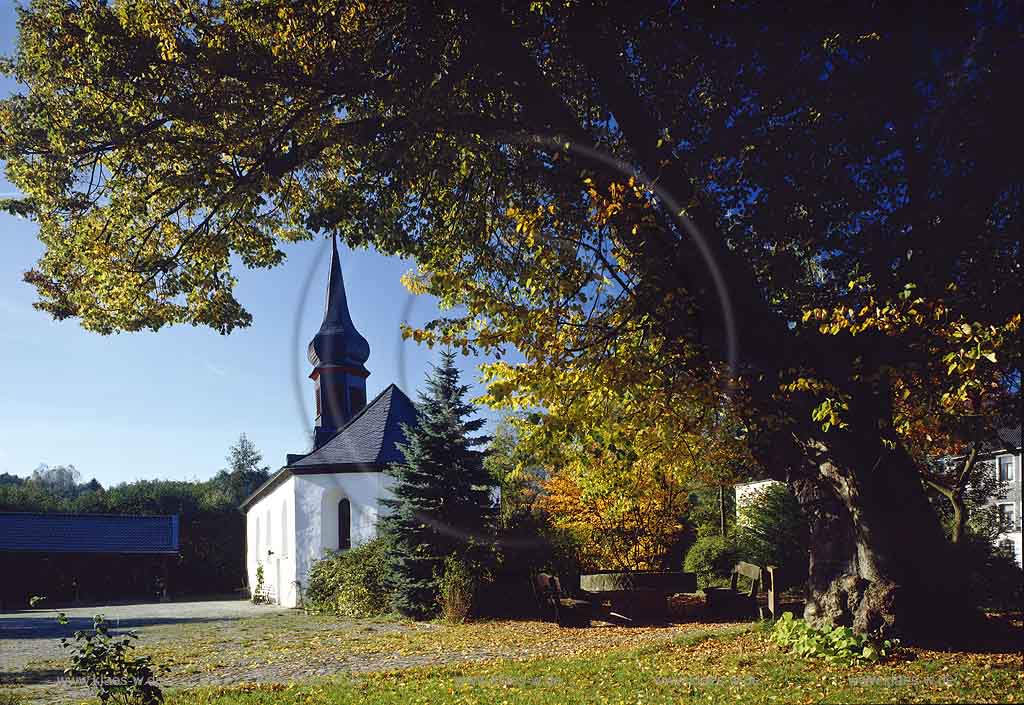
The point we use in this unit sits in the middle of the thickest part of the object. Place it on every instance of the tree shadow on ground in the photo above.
(47, 627)
(31, 675)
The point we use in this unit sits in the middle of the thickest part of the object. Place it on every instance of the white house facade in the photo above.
(329, 499)
(1002, 455)
(1005, 455)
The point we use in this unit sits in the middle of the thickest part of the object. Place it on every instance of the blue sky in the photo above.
(169, 404)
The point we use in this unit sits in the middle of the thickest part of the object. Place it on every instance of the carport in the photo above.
(76, 556)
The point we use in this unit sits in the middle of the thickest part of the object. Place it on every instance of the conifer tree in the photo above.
(442, 504)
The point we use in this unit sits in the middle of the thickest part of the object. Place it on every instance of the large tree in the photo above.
(244, 473)
(824, 205)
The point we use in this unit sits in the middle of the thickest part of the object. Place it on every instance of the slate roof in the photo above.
(1007, 439)
(88, 533)
(367, 443)
(370, 437)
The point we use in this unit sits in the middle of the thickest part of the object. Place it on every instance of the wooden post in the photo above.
(165, 574)
(721, 507)
(772, 573)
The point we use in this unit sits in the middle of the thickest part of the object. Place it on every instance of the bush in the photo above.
(773, 531)
(995, 579)
(104, 663)
(838, 645)
(457, 589)
(259, 594)
(712, 558)
(352, 583)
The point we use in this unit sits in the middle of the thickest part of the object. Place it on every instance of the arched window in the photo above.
(344, 525)
(284, 531)
(256, 539)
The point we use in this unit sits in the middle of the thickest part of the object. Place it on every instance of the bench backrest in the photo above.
(548, 586)
(751, 571)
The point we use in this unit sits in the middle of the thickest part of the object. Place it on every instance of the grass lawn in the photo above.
(723, 664)
(277, 659)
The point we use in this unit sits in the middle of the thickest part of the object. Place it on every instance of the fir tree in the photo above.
(442, 504)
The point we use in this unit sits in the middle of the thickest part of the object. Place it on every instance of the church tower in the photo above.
(338, 354)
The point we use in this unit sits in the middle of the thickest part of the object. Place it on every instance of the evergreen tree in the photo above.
(244, 472)
(442, 503)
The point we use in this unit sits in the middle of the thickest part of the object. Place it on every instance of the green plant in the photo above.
(836, 645)
(104, 662)
(9, 697)
(712, 558)
(457, 589)
(259, 592)
(772, 530)
(441, 493)
(353, 583)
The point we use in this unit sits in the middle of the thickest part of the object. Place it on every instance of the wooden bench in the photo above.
(567, 611)
(731, 602)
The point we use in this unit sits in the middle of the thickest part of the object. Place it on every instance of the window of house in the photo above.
(266, 539)
(344, 525)
(1006, 469)
(284, 531)
(1006, 512)
(256, 539)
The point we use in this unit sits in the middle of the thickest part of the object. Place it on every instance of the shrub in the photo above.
(104, 663)
(838, 645)
(712, 558)
(9, 697)
(994, 577)
(259, 592)
(352, 583)
(457, 588)
(773, 531)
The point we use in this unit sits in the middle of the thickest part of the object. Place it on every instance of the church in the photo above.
(330, 498)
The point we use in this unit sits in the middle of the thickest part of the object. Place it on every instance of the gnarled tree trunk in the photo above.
(879, 560)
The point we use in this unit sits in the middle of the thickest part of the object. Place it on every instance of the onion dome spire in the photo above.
(338, 342)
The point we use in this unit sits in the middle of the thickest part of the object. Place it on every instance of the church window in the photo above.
(267, 538)
(358, 397)
(344, 525)
(256, 539)
(284, 530)
(316, 393)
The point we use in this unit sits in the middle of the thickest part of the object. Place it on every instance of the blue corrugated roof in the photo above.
(88, 533)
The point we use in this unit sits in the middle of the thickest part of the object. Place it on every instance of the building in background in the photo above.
(330, 498)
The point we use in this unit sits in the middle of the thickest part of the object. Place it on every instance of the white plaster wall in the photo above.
(278, 556)
(747, 492)
(317, 497)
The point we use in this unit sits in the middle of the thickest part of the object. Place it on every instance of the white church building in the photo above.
(330, 498)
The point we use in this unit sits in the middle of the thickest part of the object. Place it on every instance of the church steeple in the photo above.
(338, 354)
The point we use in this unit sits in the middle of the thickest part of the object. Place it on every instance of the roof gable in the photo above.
(371, 437)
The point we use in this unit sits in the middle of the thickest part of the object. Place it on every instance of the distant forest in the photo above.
(212, 531)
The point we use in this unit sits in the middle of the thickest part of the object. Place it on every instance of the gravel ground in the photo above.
(228, 642)
(30, 639)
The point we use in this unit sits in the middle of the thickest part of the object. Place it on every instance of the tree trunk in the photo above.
(721, 509)
(959, 518)
(879, 560)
